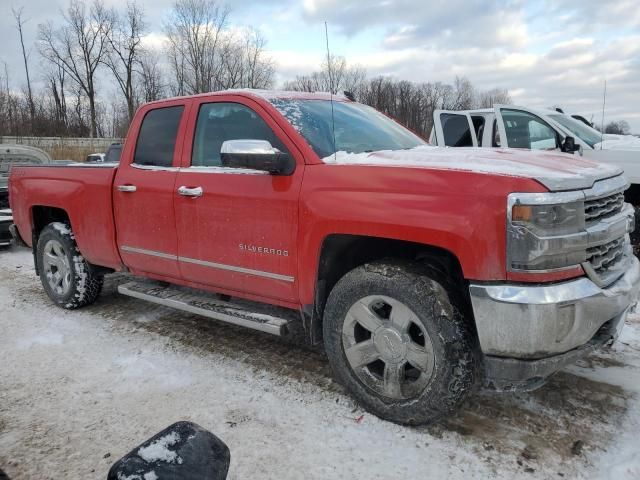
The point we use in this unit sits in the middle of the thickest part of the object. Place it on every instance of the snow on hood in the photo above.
(556, 171)
(618, 142)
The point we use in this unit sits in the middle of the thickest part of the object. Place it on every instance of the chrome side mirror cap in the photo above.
(256, 155)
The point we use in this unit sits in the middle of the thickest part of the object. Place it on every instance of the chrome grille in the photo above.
(599, 208)
(603, 257)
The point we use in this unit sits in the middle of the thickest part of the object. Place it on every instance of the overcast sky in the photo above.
(544, 52)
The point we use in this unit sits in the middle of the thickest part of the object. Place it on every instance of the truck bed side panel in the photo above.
(81, 191)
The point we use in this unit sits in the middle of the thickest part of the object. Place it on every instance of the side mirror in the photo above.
(256, 155)
(183, 450)
(569, 145)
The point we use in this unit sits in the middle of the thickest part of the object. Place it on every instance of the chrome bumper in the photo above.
(538, 321)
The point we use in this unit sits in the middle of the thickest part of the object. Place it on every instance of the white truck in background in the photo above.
(538, 129)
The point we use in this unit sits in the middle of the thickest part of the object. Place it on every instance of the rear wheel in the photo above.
(65, 275)
(398, 343)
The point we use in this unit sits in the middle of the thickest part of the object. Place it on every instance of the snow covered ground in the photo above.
(79, 389)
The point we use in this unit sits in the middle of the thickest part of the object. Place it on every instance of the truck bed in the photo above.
(83, 191)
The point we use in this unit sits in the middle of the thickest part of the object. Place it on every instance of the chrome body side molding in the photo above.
(204, 263)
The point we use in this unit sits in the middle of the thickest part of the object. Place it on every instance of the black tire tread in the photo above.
(418, 286)
(85, 284)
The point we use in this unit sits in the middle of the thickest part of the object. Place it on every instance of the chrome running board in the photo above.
(246, 314)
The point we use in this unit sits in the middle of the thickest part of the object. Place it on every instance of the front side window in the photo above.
(219, 122)
(525, 130)
(157, 138)
(356, 128)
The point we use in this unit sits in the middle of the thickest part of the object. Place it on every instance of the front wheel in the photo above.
(65, 275)
(398, 343)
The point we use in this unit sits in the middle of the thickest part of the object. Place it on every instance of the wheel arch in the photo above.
(341, 253)
(41, 216)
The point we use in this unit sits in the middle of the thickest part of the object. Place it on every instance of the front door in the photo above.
(236, 228)
(519, 128)
(144, 192)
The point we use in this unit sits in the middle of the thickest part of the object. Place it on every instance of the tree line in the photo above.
(410, 103)
(90, 47)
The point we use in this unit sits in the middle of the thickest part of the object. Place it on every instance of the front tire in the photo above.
(398, 343)
(66, 276)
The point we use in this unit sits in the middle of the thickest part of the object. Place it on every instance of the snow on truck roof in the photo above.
(539, 111)
(267, 95)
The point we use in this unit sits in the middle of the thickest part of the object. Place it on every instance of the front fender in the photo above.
(461, 212)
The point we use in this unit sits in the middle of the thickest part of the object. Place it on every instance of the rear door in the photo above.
(454, 129)
(144, 191)
(519, 128)
(236, 228)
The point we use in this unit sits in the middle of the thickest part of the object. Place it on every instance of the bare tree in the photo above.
(195, 36)
(259, 68)
(620, 127)
(124, 55)
(245, 62)
(55, 79)
(493, 97)
(334, 76)
(464, 94)
(150, 79)
(79, 47)
(20, 21)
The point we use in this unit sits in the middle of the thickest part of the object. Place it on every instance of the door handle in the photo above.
(127, 188)
(190, 192)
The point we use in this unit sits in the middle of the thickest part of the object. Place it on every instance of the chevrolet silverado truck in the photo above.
(424, 272)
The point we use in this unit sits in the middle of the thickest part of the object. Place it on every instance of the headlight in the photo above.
(545, 231)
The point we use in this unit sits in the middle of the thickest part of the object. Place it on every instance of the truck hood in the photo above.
(556, 171)
(618, 142)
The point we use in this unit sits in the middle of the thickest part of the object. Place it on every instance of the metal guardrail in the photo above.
(48, 142)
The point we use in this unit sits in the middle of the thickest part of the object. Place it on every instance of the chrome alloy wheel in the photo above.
(55, 265)
(387, 347)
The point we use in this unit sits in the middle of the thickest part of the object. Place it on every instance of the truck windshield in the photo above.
(358, 128)
(586, 133)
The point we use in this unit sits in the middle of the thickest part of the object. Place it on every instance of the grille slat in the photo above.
(597, 209)
(606, 256)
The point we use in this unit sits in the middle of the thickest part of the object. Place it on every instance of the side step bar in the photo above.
(194, 301)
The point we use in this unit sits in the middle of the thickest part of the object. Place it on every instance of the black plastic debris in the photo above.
(182, 451)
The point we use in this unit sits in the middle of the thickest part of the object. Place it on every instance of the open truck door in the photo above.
(516, 127)
(454, 129)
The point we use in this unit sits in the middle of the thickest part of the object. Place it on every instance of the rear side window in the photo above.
(157, 138)
(456, 130)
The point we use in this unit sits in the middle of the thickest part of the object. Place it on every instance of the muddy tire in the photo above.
(65, 275)
(398, 343)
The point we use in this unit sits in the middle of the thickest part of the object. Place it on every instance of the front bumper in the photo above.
(520, 326)
(513, 374)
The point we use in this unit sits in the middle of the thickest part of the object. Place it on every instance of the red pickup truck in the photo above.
(424, 271)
